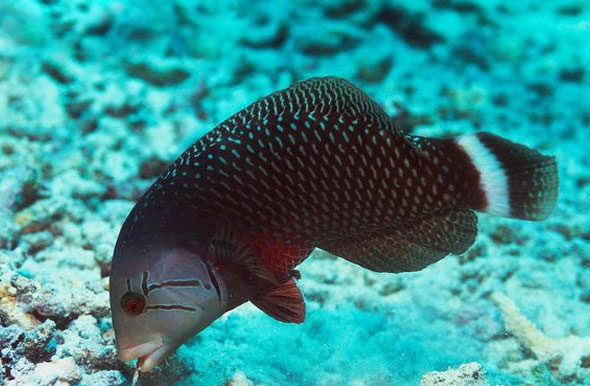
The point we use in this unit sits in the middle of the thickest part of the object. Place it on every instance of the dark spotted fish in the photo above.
(319, 164)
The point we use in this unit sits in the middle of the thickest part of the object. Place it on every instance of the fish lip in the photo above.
(141, 350)
(148, 362)
(148, 355)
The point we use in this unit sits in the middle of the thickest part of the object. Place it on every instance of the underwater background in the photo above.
(97, 97)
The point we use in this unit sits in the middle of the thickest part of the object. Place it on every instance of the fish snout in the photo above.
(149, 354)
(126, 353)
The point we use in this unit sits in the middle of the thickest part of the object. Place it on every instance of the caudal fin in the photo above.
(514, 180)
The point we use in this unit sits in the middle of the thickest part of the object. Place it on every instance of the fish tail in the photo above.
(513, 180)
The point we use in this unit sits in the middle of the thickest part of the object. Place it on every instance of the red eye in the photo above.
(133, 303)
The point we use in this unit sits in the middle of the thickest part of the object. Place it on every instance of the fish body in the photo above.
(317, 165)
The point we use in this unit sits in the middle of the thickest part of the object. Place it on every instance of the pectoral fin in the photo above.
(284, 302)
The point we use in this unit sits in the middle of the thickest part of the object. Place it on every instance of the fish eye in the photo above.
(133, 303)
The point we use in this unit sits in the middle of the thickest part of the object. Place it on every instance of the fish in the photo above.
(317, 165)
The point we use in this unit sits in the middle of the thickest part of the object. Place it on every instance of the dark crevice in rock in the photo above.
(409, 26)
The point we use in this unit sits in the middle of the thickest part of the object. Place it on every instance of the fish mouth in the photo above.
(131, 353)
(148, 362)
(149, 354)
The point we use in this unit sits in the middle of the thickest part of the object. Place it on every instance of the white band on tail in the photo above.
(494, 182)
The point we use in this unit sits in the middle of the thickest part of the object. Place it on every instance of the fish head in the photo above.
(160, 300)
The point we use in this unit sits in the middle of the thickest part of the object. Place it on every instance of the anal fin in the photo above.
(409, 246)
(284, 302)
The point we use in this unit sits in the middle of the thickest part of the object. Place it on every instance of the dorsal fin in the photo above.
(284, 302)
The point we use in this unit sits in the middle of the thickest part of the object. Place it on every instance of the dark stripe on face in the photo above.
(213, 280)
(170, 307)
(128, 283)
(144, 283)
(175, 283)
